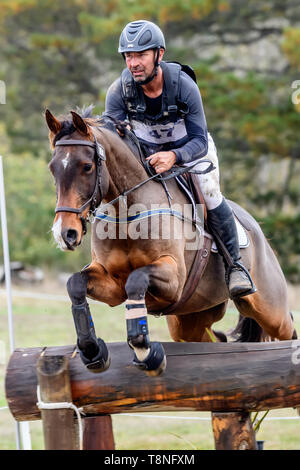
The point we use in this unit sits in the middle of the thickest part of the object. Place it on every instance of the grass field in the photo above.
(41, 322)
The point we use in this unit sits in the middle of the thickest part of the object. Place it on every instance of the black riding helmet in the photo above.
(139, 36)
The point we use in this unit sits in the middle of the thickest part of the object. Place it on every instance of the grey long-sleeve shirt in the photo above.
(187, 137)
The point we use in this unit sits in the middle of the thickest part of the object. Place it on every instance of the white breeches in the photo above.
(209, 182)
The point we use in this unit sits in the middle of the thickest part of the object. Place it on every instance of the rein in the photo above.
(172, 174)
(99, 157)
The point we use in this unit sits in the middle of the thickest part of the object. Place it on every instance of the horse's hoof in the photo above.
(155, 363)
(159, 370)
(99, 363)
(98, 366)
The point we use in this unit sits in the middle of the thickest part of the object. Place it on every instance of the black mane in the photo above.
(67, 123)
(109, 122)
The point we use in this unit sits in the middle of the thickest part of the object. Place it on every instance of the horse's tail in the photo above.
(295, 336)
(247, 331)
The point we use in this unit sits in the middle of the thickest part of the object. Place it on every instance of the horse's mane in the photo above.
(86, 113)
(112, 131)
(67, 123)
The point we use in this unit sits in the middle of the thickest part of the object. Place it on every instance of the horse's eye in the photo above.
(87, 167)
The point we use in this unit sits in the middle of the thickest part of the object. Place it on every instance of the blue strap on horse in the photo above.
(159, 177)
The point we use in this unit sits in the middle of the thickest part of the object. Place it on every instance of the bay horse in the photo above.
(91, 164)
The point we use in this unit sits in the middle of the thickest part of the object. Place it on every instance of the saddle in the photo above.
(189, 185)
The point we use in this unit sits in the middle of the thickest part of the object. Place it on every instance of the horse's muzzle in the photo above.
(70, 237)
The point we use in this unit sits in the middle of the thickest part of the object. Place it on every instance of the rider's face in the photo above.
(140, 64)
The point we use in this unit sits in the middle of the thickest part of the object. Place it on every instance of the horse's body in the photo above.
(150, 270)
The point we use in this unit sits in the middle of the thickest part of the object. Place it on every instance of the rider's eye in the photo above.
(87, 167)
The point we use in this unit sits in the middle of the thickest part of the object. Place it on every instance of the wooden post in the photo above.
(59, 425)
(233, 431)
(98, 433)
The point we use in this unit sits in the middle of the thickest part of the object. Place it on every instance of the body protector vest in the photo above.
(161, 131)
(171, 107)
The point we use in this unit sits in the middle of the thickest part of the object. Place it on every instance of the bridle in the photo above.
(92, 201)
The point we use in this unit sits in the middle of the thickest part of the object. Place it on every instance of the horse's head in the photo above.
(80, 176)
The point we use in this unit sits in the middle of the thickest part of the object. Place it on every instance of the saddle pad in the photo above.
(242, 235)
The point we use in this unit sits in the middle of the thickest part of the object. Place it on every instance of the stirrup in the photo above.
(239, 267)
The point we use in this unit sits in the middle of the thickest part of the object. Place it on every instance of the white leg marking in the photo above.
(141, 354)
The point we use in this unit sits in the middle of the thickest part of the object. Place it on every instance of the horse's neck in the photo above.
(125, 171)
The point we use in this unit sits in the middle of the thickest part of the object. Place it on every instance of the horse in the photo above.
(92, 164)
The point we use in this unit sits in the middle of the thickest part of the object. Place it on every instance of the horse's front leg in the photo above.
(161, 279)
(93, 350)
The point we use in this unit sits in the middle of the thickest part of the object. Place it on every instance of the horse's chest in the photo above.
(120, 264)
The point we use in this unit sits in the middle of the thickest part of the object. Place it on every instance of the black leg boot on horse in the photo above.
(93, 350)
(148, 356)
(222, 225)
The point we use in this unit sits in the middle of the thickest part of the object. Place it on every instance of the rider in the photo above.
(173, 130)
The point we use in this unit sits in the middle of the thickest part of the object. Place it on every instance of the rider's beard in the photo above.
(141, 75)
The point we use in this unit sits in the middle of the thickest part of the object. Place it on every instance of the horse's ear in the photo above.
(79, 123)
(53, 123)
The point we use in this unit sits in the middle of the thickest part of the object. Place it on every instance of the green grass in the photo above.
(49, 323)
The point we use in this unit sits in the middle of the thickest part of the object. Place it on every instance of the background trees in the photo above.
(246, 55)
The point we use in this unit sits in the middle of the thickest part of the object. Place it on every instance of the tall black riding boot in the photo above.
(222, 225)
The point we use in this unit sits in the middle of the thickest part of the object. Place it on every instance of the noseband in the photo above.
(92, 201)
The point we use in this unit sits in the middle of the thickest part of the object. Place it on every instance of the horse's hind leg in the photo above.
(269, 305)
(159, 278)
(196, 327)
(93, 350)
(274, 320)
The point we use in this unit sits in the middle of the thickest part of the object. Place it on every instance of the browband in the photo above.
(95, 145)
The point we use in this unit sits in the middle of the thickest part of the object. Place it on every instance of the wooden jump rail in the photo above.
(230, 380)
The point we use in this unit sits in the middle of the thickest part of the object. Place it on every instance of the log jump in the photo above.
(216, 377)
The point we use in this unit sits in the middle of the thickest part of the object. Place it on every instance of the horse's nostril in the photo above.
(71, 236)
